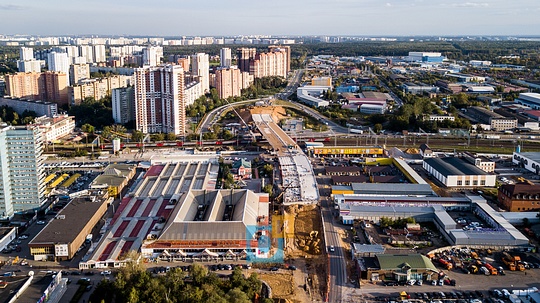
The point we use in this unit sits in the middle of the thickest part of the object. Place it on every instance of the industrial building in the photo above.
(499, 234)
(494, 120)
(148, 204)
(310, 95)
(531, 100)
(61, 238)
(208, 224)
(402, 267)
(457, 173)
(114, 178)
(528, 160)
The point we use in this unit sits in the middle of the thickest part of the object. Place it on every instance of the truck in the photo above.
(492, 270)
(512, 262)
(508, 260)
(445, 264)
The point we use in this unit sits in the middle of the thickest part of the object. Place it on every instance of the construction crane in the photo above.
(427, 135)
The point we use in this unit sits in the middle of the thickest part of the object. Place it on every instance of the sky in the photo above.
(270, 17)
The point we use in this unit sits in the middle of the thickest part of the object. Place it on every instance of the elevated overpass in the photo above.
(296, 170)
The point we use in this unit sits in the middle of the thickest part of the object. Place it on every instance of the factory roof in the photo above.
(75, 215)
(450, 166)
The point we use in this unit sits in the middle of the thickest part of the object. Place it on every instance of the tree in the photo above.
(268, 188)
(88, 128)
(157, 137)
(171, 137)
(137, 136)
(236, 295)
(377, 128)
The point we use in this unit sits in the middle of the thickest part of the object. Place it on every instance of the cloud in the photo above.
(388, 4)
(10, 7)
(470, 4)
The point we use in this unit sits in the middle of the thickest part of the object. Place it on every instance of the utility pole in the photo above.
(427, 135)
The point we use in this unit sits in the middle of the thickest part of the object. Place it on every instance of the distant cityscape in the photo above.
(338, 164)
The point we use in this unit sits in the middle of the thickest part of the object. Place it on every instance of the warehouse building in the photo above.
(212, 224)
(530, 161)
(455, 172)
(61, 238)
(145, 209)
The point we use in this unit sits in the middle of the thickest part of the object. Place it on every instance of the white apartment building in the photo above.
(58, 62)
(21, 169)
(152, 55)
(56, 127)
(192, 92)
(225, 57)
(200, 66)
(99, 53)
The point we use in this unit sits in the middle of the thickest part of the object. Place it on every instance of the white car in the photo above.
(105, 272)
(332, 249)
(40, 222)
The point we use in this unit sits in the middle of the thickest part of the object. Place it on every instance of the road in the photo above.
(338, 269)
(212, 116)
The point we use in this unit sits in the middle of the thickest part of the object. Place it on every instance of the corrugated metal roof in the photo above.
(451, 166)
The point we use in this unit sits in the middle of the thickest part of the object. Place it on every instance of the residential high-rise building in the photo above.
(54, 87)
(184, 62)
(273, 63)
(88, 52)
(244, 57)
(29, 66)
(22, 174)
(99, 53)
(200, 66)
(159, 99)
(78, 72)
(152, 55)
(123, 104)
(286, 49)
(225, 57)
(58, 62)
(230, 81)
(23, 85)
(96, 88)
(27, 63)
(26, 54)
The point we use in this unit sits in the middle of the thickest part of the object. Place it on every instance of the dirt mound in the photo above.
(282, 284)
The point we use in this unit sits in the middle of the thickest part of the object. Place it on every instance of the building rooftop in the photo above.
(450, 166)
(534, 156)
(418, 261)
(395, 189)
(213, 215)
(113, 175)
(521, 189)
(367, 248)
(69, 222)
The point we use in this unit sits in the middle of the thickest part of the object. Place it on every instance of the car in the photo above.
(419, 282)
(24, 263)
(23, 237)
(274, 268)
(441, 282)
(332, 249)
(479, 293)
(498, 293)
(433, 282)
(390, 283)
(105, 273)
(411, 282)
(88, 288)
(89, 273)
(292, 267)
(40, 222)
(76, 273)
